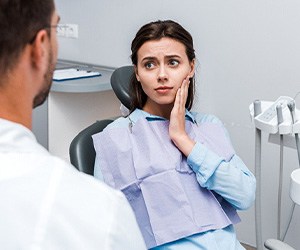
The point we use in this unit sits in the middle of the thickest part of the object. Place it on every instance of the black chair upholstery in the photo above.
(81, 150)
(120, 84)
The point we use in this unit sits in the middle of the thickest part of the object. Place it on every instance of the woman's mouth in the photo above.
(163, 89)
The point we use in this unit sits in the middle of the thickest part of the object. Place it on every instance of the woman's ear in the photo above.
(192, 71)
(136, 73)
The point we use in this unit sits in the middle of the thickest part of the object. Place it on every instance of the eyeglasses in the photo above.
(56, 27)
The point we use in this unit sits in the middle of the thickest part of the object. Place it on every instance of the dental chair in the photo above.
(82, 153)
(81, 150)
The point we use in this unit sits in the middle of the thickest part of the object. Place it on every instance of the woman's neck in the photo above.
(159, 110)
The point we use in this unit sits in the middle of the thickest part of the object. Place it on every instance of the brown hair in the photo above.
(155, 31)
(20, 20)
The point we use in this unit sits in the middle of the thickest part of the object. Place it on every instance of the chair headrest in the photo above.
(119, 81)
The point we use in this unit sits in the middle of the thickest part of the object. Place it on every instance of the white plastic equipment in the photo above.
(267, 120)
(295, 186)
(279, 118)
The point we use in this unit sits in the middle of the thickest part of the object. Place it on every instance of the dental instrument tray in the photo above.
(267, 119)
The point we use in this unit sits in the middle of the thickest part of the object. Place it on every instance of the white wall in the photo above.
(247, 50)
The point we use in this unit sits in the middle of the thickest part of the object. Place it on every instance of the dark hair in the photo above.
(155, 31)
(20, 20)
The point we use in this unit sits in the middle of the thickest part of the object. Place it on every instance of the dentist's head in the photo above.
(28, 54)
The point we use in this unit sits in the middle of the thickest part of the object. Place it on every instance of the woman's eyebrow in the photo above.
(173, 56)
(148, 58)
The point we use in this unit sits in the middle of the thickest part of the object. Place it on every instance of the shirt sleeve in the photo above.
(230, 179)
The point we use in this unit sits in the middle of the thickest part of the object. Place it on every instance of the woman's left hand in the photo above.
(177, 120)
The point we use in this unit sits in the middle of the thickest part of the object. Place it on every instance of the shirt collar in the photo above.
(138, 113)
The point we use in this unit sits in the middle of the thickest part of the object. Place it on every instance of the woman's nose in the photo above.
(162, 74)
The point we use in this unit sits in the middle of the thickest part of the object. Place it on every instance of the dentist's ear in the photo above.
(39, 49)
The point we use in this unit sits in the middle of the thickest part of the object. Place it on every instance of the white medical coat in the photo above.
(47, 204)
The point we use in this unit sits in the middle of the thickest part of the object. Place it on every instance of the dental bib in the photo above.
(162, 189)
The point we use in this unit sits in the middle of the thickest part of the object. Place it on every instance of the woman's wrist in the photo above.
(184, 143)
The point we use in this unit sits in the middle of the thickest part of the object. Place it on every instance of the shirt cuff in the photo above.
(203, 161)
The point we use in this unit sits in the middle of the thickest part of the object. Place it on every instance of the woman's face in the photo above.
(161, 68)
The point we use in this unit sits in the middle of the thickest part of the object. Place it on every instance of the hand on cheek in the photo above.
(177, 120)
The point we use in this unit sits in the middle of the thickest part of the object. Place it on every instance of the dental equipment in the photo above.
(280, 121)
(274, 118)
(257, 111)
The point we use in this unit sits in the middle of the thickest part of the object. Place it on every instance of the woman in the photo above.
(177, 168)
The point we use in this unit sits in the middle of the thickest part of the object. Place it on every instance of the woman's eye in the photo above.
(173, 62)
(149, 65)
